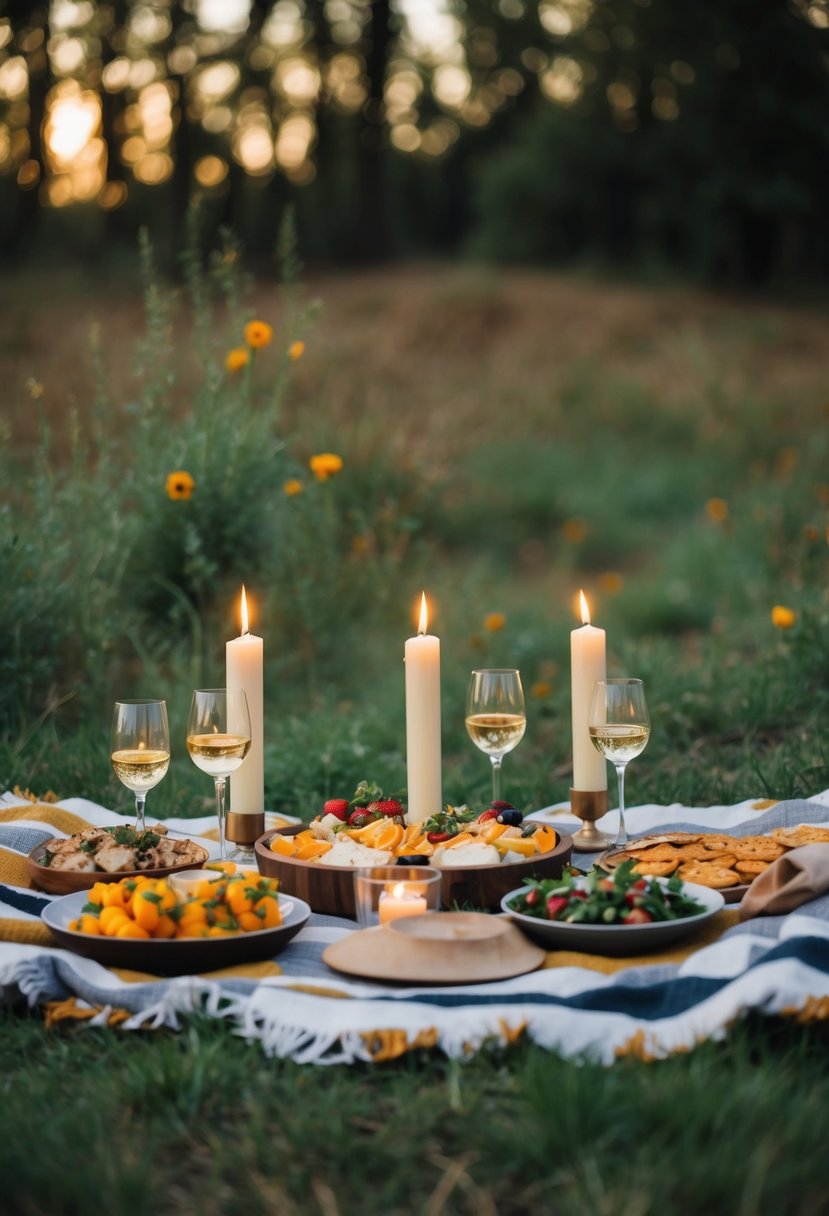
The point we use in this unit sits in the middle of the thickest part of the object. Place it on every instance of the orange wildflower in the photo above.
(180, 485)
(292, 487)
(717, 510)
(541, 689)
(611, 582)
(258, 334)
(494, 622)
(574, 530)
(236, 359)
(296, 350)
(782, 617)
(325, 465)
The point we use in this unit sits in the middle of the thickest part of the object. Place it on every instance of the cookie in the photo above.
(749, 869)
(757, 848)
(655, 869)
(707, 874)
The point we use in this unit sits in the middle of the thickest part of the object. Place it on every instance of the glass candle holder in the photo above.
(386, 893)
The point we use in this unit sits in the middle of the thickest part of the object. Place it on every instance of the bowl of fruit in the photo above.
(482, 854)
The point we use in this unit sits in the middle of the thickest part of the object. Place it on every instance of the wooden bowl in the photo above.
(66, 882)
(330, 889)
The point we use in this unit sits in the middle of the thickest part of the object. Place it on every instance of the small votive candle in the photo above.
(399, 901)
(386, 893)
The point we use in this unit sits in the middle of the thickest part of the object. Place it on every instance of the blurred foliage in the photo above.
(656, 136)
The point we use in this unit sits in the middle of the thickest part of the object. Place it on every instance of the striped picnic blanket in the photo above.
(297, 1008)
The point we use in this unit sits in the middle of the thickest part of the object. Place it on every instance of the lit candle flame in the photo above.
(424, 614)
(585, 611)
(245, 626)
(398, 891)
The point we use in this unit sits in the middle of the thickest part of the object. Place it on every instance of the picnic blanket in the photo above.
(578, 1004)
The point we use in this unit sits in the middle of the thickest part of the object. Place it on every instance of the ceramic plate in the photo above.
(616, 939)
(180, 956)
(65, 882)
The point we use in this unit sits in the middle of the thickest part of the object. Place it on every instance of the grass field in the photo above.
(507, 438)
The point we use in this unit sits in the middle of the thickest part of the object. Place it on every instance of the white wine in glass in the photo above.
(495, 716)
(218, 739)
(619, 725)
(140, 748)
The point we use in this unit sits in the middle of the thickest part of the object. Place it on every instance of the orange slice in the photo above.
(284, 845)
(517, 844)
(312, 849)
(492, 831)
(461, 838)
(545, 838)
(381, 834)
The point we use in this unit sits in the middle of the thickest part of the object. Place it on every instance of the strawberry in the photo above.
(499, 805)
(389, 806)
(492, 813)
(556, 904)
(338, 807)
(360, 817)
(637, 916)
(437, 837)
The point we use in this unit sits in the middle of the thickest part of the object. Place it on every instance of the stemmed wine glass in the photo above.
(140, 748)
(619, 725)
(218, 739)
(495, 716)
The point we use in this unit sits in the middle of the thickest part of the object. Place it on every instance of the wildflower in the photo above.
(180, 485)
(34, 388)
(258, 334)
(325, 465)
(811, 533)
(717, 510)
(296, 350)
(292, 486)
(574, 530)
(541, 689)
(236, 359)
(494, 622)
(360, 544)
(611, 582)
(782, 617)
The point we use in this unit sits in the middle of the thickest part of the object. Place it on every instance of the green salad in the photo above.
(625, 898)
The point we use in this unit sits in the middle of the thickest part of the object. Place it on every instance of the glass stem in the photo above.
(496, 777)
(621, 835)
(221, 782)
(139, 812)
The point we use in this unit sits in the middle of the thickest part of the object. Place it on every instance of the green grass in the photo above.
(201, 1122)
(507, 440)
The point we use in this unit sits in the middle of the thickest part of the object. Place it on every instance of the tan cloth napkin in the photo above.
(792, 880)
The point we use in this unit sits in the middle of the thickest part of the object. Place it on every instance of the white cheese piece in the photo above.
(476, 853)
(348, 852)
(324, 828)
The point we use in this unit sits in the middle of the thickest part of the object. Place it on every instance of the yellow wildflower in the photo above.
(180, 485)
(34, 387)
(541, 689)
(325, 465)
(717, 510)
(782, 617)
(292, 486)
(296, 350)
(236, 359)
(574, 530)
(494, 622)
(611, 582)
(258, 334)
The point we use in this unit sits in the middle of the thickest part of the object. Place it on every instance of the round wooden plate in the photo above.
(66, 882)
(437, 948)
(330, 889)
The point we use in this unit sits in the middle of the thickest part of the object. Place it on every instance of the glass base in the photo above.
(241, 853)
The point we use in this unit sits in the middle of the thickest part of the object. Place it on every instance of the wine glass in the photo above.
(218, 739)
(619, 725)
(495, 717)
(140, 748)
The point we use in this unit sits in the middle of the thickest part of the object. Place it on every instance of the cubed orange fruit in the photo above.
(284, 845)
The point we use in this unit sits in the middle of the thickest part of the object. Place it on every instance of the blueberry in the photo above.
(510, 817)
(413, 859)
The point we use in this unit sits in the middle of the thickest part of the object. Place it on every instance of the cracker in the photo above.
(655, 869)
(750, 869)
(794, 838)
(707, 874)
